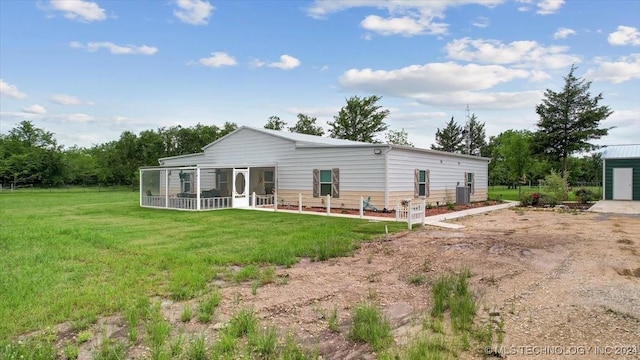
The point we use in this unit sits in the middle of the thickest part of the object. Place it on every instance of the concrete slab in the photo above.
(616, 207)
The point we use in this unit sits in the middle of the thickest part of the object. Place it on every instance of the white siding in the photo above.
(247, 147)
(360, 168)
(186, 160)
(446, 171)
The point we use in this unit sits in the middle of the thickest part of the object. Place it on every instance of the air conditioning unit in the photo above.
(462, 195)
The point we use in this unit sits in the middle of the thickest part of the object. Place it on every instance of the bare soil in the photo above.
(562, 282)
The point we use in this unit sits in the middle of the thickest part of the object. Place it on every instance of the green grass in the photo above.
(74, 256)
(500, 192)
(369, 326)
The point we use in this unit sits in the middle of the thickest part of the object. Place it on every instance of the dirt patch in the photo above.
(553, 277)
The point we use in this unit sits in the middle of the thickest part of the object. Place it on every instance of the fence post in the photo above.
(253, 199)
(361, 206)
(409, 215)
(397, 210)
(424, 208)
(328, 204)
(299, 202)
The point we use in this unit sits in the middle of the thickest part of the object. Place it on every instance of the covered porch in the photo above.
(207, 187)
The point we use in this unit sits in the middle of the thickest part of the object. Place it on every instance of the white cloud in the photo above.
(12, 91)
(433, 77)
(404, 25)
(194, 12)
(407, 18)
(287, 62)
(527, 53)
(481, 22)
(624, 69)
(64, 99)
(114, 48)
(563, 33)
(626, 35)
(546, 7)
(82, 10)
(320, 112)
(218, 59)
(35, 109)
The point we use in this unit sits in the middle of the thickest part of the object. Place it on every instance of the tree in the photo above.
(476, 137)
(569, 120)
(307, 125)
(360, 120)
(516, 151)
(398, 137)
(449, 139)
(274, 123)
(30, 156)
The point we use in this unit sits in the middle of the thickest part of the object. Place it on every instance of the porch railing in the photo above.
(155, 201)
(262, 200)
(215, 203)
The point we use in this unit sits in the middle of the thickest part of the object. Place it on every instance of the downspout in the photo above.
(386, 177)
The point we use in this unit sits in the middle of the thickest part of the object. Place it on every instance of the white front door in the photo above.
(240, 188)
(622, 183)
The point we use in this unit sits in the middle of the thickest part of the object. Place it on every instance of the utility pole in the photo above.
(467, 131)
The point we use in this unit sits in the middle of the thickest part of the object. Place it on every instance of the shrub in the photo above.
(557, 185)
(584, 196)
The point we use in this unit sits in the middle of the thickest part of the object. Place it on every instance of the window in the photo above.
(221, 181)
(469, 182)
(269, 183)
(421, 183)
(186, 182)
(326, 182)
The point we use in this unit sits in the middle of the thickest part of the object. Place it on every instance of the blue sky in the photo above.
(89, 70)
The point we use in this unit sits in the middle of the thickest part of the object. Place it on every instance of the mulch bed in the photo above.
(443, 209)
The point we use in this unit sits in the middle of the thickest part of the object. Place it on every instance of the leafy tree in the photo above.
(476, 137)
(516, 152)
(449, 139)
(398, 137)
(307, 125)
(360, 120)
(569, 120)
(30, 156)
(274, 123)
(80, 167)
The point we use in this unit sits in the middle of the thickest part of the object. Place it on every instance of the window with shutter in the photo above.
(421, 183)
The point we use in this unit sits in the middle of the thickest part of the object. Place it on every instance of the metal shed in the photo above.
(621, 172)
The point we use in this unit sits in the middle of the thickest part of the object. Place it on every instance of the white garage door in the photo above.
(622, 184)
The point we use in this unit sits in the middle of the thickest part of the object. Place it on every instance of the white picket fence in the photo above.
(410, 211)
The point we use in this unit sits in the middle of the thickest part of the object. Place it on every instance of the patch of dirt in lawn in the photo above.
(559, 280)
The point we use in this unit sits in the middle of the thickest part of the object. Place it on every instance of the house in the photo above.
(621, 172)
(287, 167)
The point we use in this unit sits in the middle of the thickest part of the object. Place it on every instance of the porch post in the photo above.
(361, 206)
(253, 199)
(424, 208)
(299, 202)
(166, 188)
(198, 188)
(140, 187)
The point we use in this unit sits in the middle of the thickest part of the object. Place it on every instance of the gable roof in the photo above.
(621, 151)
(300, 140)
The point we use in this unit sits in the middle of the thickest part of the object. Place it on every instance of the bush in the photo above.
(529, 199)
(584, 196)
(556, 186)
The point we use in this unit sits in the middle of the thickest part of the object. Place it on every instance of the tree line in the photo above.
(569, 121)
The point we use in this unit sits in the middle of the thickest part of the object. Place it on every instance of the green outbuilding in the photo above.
(621, 172)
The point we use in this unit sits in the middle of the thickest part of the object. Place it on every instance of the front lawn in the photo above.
(77, 256)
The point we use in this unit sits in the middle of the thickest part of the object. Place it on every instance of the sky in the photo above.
(87, 70)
